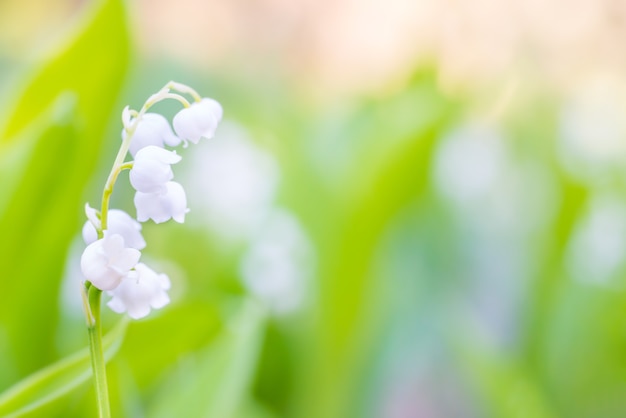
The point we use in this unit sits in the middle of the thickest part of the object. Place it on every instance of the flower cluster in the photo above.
(114, 241)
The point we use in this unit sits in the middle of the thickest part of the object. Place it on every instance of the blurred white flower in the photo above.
(152, 169)
(106, 261)
(593, 129)
(469, 163)
(596, 252)
(121, 223)
(139, 291)
(198, 120)
(233, 181)
(152, 129)
(278, 262)
(475, 171)
(162, 206)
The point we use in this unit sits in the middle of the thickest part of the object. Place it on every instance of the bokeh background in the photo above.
(412, 209)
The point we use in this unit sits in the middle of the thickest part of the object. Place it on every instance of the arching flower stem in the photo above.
(91, 294)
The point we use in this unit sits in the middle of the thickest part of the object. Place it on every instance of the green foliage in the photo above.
(40, 393)
(413, 300)
(51, 137)
(352, 311)
(215, 381)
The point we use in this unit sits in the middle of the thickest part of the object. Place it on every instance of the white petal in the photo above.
(105, 261)
(92, 215)
(184, 125)
(126, 117)
(164, 281)
(144, 202)
(122, 223)
(149, 176)
(94, 266)
(89, 229)
(159, 154)
(160, 300)
(215, 107)
(125, 260)
(176, 201)
(89, 233)
(119, 222)
(112, 244)
(91, 260)
(142, 139)
(149, 207)
(116, 305)
(138, 292)
(160, 207)
(138, 311)
(151, 169)
(198, 120)
(160, 127)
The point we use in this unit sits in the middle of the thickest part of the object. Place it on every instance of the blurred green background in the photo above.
(410, 210)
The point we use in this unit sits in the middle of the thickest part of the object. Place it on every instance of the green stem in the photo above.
(106, 194)
(91, 294)
(94, 328)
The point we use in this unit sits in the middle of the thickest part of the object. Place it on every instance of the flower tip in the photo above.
(126, 117)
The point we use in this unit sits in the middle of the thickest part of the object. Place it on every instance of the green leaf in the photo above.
(53, 382)
(215, 383)
(507, 386)
(351, 307)
(190, 326)
(92, 63)
(49, 141)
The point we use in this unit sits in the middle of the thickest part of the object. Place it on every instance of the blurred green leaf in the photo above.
(92, 64)
(590, 370)
(51, 137)
(503, 382)
(189, 327)
(215, 383)
(351, 311)
(30, 395)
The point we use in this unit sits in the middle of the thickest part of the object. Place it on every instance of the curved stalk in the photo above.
(91, 294)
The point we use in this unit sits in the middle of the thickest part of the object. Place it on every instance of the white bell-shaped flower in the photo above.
(106, 261)
(198, 120)
(160, 207)
(152, 129)
(119, 222)
(140, 291)
(152, 169)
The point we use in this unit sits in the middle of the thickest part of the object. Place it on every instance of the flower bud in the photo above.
(198, 120)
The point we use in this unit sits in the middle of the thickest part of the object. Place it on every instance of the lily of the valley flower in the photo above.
(121, 223)
(152, 129)
(160, 207)
(106, 261)
(198, 120)
(140, 291)
(151, 169)
(112, 263)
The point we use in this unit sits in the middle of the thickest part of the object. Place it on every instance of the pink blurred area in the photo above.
(352, 46)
